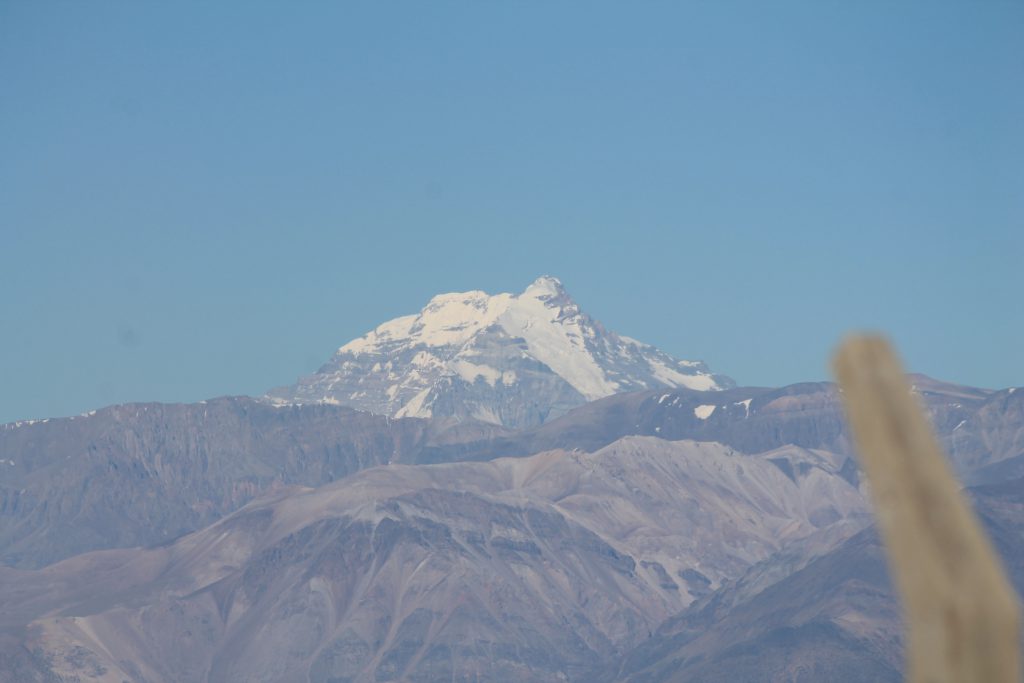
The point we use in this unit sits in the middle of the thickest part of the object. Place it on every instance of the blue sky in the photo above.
(200, 199)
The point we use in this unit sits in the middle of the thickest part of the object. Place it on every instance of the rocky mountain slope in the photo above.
(146, 473)
(141, 474)
(552, 567)
(545, 568)
(981, 429)
(496, 488)
(515, 360)
(805, 616)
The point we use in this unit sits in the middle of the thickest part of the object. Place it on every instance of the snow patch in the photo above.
(486, 414)
(24, 423)
(667, 375)
(703, 412)
(469, 372)
(417, 406)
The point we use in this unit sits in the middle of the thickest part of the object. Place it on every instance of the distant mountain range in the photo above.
(543, 568)
(615, 516)
(515, 360)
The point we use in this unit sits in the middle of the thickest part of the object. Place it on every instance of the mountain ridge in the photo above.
(512, 359)
(548, 503)
(543, 568)
(173, 468)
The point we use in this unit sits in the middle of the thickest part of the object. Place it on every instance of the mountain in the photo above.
(495, 489)
(546, 568)
(981, 429)
(515, 360)
(141, 474)
(833, 619)
(810, 616)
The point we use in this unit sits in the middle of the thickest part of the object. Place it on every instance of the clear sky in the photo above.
(207, 198)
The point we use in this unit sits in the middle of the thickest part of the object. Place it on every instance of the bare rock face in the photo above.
(834, 619)
(147, 473)
(545, 568)
(981, 429)
(808, 615)
(141, 474)
(988, 443)
(515, 360)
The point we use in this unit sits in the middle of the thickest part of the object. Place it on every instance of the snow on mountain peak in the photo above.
(448, 319)
(545, 286)
(510, 359)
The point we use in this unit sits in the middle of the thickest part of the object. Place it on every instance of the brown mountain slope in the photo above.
(796, 617)
(544, 568)
(144, 474)
(141, 474)
(983, 430)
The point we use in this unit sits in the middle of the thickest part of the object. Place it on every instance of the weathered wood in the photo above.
(960, 610)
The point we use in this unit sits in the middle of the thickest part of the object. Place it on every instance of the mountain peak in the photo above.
(516, 360)
(455, 297)
(545, 285)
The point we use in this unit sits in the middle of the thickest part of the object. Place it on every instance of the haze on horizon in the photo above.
(201, 200)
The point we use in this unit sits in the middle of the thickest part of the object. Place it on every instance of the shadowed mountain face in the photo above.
(546, 568)
(797, 618)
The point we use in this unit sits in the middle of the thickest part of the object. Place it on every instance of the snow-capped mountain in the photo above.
(511, 359)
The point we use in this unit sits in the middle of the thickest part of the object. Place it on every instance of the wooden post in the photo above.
(960, 610)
